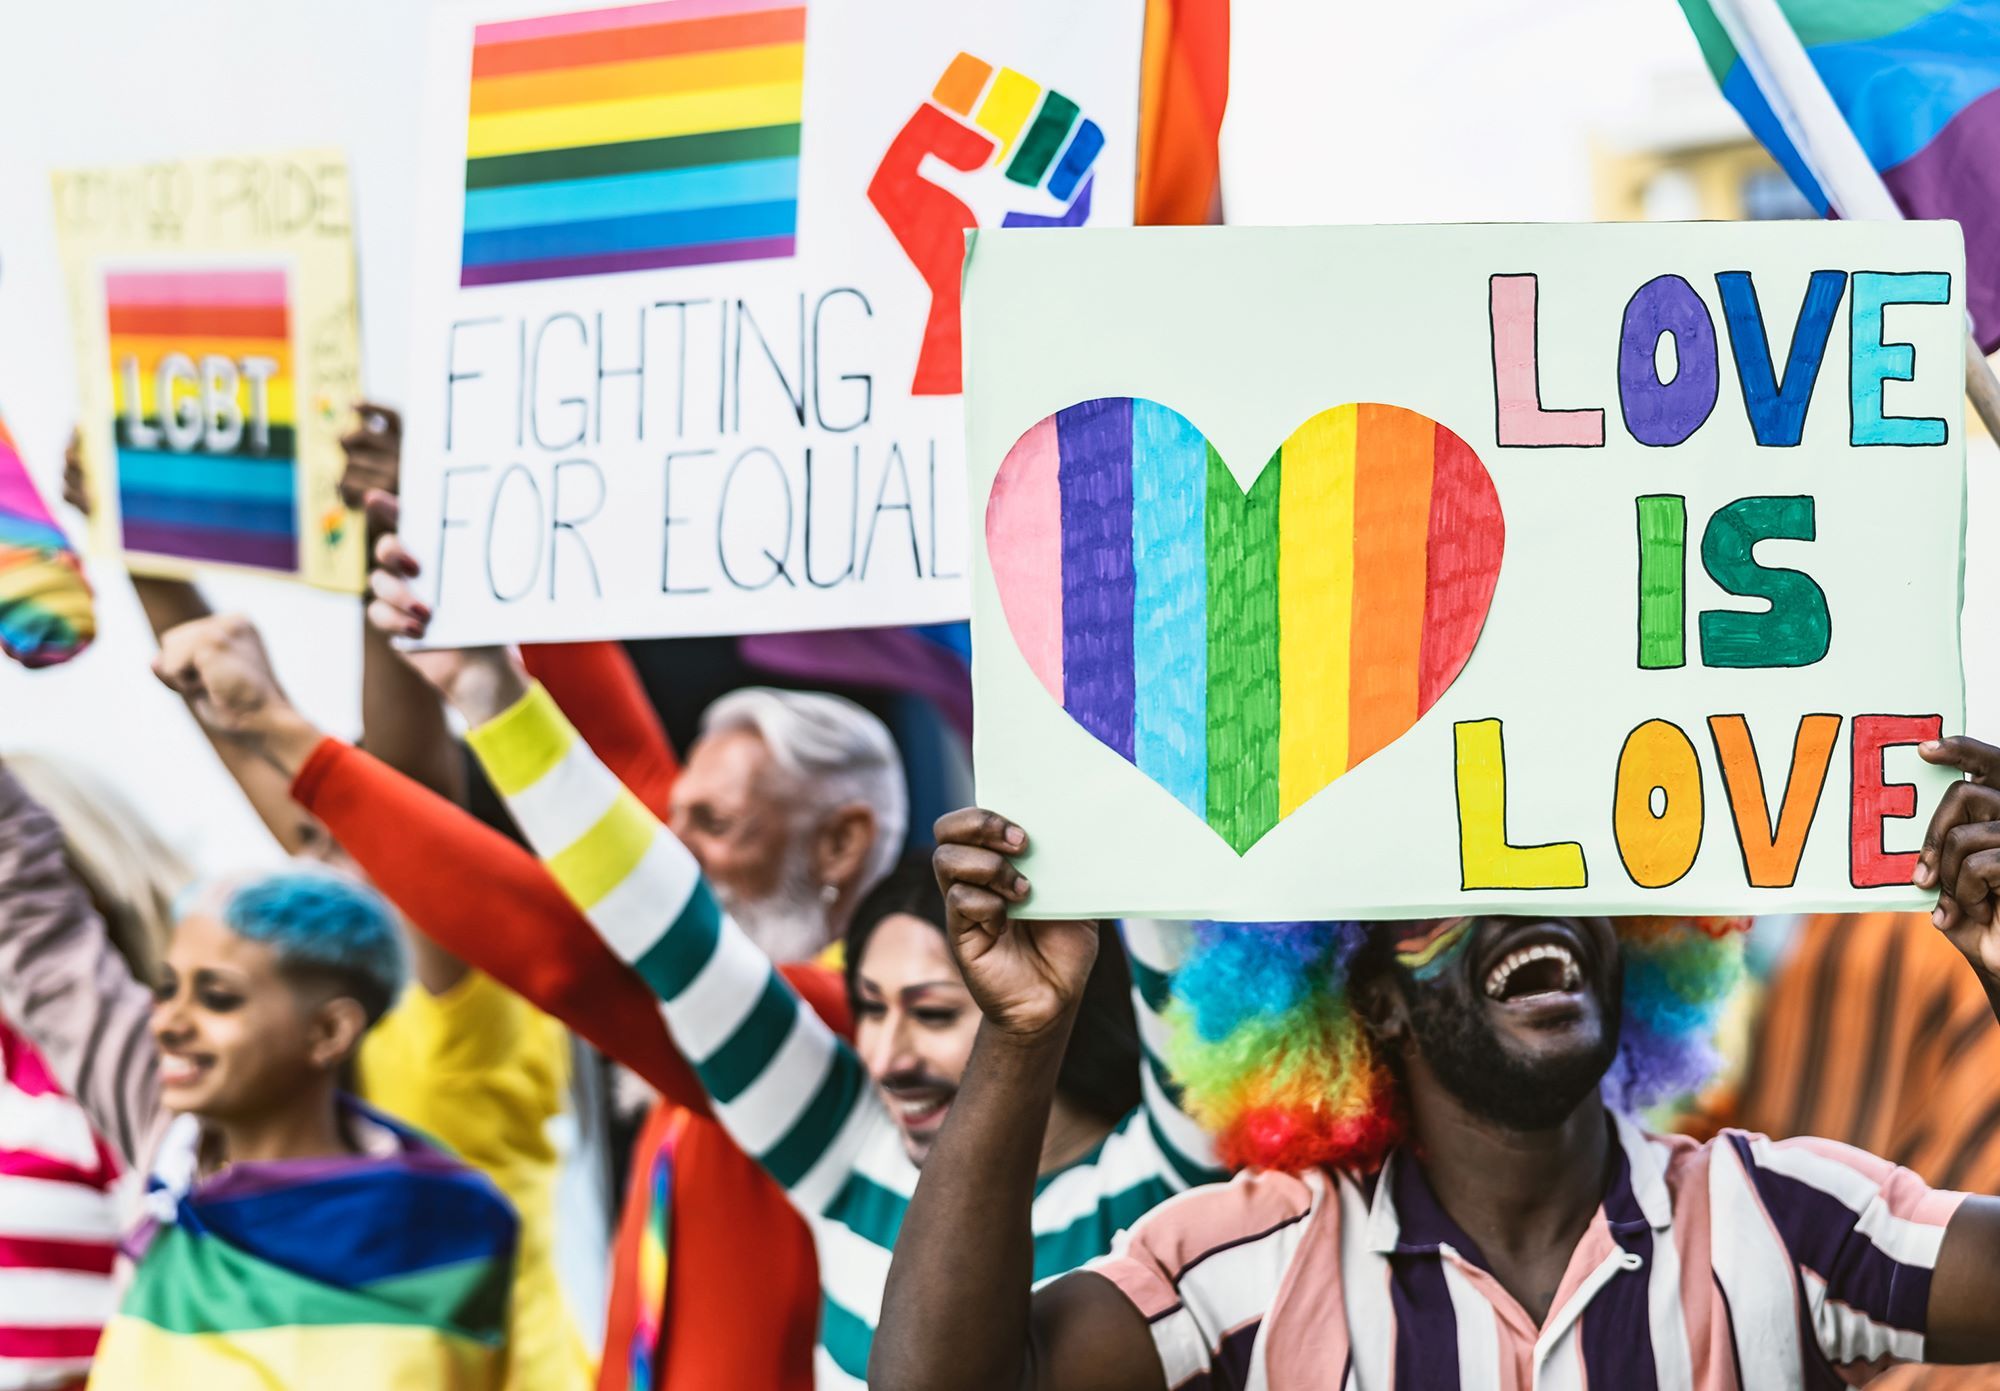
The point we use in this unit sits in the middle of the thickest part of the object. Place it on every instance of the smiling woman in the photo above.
(268, 988)
(223, 1086)
(915, 1022)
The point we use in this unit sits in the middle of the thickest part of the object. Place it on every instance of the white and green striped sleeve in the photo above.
(1157, 950)
(787, 1088)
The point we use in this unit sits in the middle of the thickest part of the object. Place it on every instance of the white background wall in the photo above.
(1453, 110)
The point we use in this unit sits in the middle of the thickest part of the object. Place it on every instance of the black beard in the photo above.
(1472, 1064)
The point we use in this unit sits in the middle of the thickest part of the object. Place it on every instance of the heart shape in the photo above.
(1243, 650)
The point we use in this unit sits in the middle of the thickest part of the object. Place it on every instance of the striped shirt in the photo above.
(59, 1226)
(1742, 1264)
(789, 1089)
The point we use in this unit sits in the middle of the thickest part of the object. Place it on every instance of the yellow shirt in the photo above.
(482, 1071)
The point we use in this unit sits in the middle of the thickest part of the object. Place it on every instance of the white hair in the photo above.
(839, 752)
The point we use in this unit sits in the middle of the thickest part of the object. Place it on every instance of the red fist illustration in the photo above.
(977, 118)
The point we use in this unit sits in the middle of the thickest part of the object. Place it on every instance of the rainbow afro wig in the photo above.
(1273, 1058)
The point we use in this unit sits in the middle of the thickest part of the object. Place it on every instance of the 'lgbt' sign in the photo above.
(218, 357)
(1615, 568)
(201, 366)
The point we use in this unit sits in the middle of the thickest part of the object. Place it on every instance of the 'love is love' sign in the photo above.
(1394, 571)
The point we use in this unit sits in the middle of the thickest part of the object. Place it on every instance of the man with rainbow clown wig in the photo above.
(1442, 1181)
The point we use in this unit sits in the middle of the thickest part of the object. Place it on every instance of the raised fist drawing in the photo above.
(978, 118)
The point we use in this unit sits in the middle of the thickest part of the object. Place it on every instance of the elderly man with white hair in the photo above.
(794, 805)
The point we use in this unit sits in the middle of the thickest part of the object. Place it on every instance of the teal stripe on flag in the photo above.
(206, 475)
(627, 195)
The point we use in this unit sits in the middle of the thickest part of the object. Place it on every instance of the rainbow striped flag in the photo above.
(202, 389)
(313, 1275)
(636, 138)
(1918, 81)
(46, 616)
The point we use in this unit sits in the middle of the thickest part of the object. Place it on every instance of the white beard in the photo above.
(789, 923)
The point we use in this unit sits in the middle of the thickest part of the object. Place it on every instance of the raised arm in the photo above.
(169, 603)
(1961, 860)
(957, 1310)
(787, 1088)
(785, 1085)
(596, 686)
(65, 987)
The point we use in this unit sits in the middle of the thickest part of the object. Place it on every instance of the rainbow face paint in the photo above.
(1426, 953)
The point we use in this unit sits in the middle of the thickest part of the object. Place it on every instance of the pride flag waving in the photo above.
(45, 608)
(1917, 82)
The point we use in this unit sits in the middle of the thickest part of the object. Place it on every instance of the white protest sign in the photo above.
(686, 355)
(1403, 571)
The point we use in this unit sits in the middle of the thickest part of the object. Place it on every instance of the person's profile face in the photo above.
(914, 1025)
(730, 808)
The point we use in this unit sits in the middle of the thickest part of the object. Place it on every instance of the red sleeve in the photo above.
(825, 990)
(594, 683)
(506, 917)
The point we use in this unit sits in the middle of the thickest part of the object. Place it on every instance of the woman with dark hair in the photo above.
(914, 1021)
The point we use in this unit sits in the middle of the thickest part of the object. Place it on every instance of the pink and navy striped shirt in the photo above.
(1737, 1265)
(59, 1227)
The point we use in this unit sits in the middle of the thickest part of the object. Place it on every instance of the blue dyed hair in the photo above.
(324, 926)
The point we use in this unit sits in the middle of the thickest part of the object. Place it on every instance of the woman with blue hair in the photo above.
(373, 1258)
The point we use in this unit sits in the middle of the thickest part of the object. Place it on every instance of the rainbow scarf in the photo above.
(389, 1269)
(1919, 82)
(45, 609)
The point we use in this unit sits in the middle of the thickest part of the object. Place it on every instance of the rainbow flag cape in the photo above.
(1918, 81)
(45, 609)
(317, 1275)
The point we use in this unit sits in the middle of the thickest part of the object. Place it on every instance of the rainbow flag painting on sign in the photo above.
(202, 393)
(638, 138)
(1918, 82)
(1243, 648)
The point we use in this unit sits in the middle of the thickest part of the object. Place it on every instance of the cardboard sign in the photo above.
(687, 347)
(218, 355)
(1406, 571)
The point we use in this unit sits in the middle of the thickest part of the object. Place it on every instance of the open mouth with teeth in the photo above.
(919, 1111)
(182, 1069)
(1530, 972)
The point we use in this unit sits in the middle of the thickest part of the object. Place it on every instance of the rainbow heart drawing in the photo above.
(1243, 650)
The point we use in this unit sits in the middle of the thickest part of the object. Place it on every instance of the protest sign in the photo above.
(1403, 571)
(212, 302)
(687, 351)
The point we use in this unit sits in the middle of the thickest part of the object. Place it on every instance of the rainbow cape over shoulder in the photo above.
(46, 614)
(386, 1270)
